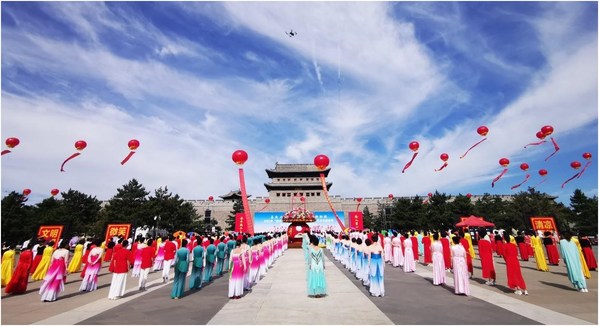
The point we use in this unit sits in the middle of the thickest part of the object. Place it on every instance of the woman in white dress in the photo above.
(398, 258)
(409, 264)
(460, 267)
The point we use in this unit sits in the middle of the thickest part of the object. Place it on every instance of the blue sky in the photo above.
(195, 81)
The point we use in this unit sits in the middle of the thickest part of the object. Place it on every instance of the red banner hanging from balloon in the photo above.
(483, 131)
(133, 145)
(326, 196)
(555, 147)
(521, 183)
(79, 145)
(246, 205)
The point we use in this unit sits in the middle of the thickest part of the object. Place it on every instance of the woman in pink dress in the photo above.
(460, 267)
(159, 256)
(56, 275)
(237, 266)
(438, 261)
(397, 252)
(409, 264)
(93, 266)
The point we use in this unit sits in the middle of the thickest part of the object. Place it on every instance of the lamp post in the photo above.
(157, 219)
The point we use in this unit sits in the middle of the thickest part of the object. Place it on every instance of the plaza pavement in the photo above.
(280, 298)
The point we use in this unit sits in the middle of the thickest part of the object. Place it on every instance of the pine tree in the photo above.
(237, 208)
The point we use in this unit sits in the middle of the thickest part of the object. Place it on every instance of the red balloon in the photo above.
(267, 200)
(575, 165)
(541, 135)
(504, 162)
(239, 157)
(482, 130)
(390, 196)
(587, 155)
(80, 145)
(468, 195)
(54, 192)
(26, 191)
(359, 199)
(210, 198)
(542, 172)
(430, 194)
(414, 146)
(547, 130)
(302, 199)
(133, 144)
(524, 166)
(444, 157)
(321, 161)
(12, 142)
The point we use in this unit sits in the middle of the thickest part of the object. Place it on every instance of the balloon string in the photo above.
(326, 196)
(409, 163)
(498, 177)
(261, 209)
(68, 159)
(534, 144)
(555, 147)
(572, 178)
(442, 167)
(471, 147)
(127, 158)
(584, 168)
(6, 151)
(521, 183)
(538, 184)
(246, 206)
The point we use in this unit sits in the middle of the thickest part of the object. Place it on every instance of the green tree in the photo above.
(584, 213)
(438, 215)
(401, 217)
(527, 204)
(78, 212)
(493, 209)
(175, 213)
(367, 218)
(461, 206)
(237, 208)
(129, 205)
(18, 222)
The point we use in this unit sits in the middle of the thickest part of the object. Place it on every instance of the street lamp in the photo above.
(157, 219)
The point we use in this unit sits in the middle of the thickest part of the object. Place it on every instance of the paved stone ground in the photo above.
(280, 298)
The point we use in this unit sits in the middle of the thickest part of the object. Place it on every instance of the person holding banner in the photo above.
(121, 259)
(56, 275)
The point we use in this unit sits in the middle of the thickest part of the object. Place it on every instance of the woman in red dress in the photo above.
(587, 252)
(446, 251)
(428, 254)
(18, 282)
(512, 265)
(485, 252)
(38, 257)
(552, 253)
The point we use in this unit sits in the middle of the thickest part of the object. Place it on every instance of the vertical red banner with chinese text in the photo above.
(240, 223)
(356, 220)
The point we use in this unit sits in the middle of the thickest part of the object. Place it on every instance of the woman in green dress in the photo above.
(317, 282)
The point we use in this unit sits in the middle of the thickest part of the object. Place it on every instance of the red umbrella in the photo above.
(474, 221)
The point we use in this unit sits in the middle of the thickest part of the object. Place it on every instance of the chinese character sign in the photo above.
(240, 223)
(356, 220)
(115, 230)
(273, 222)
(544, 223)
(50, 232)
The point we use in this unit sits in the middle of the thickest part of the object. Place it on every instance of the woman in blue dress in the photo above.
(317, 283)
(181, 268)
(572, 257)
(377, 268)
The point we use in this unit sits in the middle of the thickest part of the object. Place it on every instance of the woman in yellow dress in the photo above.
(537, 246)
(8, 263)
(468, 238)
(75, 264)
(44, 265)
(585, 268)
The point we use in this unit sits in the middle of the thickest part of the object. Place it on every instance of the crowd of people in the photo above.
(246, 258)
(365, 253)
